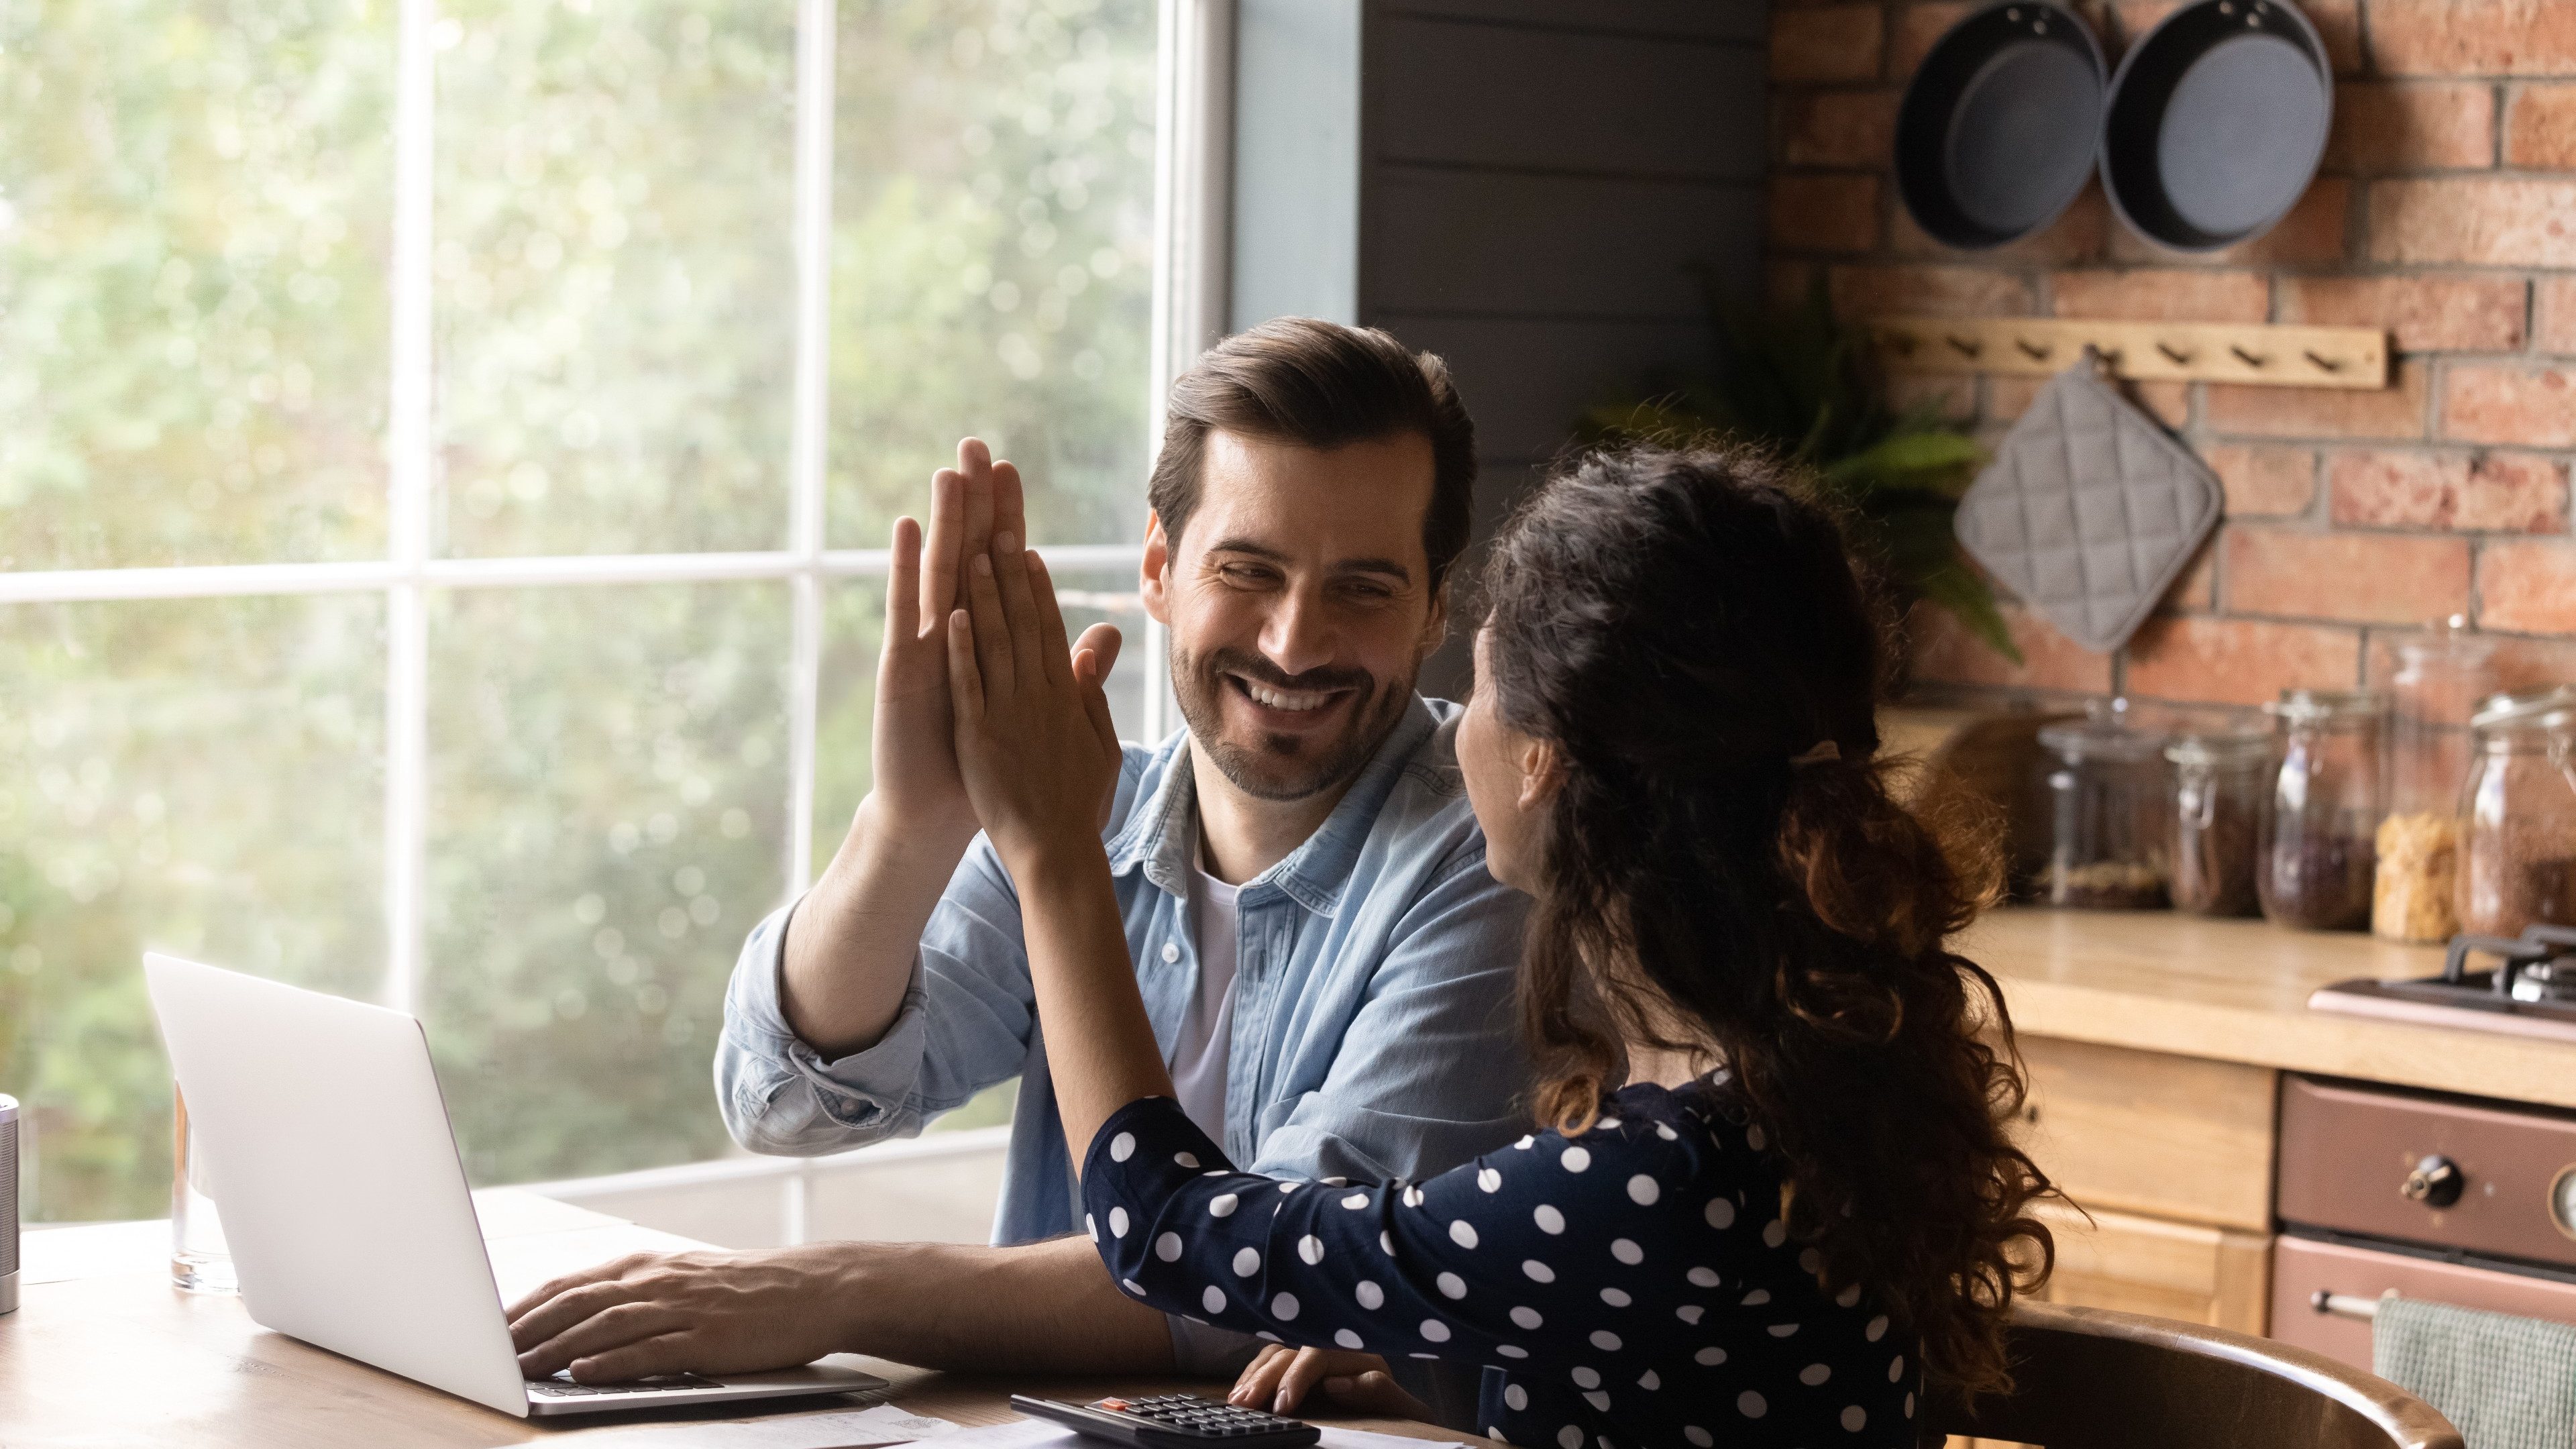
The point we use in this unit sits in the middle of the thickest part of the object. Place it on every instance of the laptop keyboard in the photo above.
(567, 1389)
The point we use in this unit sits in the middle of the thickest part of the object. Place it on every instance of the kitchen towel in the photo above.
(2504, 1381)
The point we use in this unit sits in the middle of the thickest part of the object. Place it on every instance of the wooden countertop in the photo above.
(2238, 991)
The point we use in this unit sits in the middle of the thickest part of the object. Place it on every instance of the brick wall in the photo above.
(2445, 212)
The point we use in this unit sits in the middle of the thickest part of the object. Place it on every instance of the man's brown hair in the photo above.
(1320, 385)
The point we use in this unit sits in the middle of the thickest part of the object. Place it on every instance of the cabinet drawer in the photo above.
(2217, 1276)
(2173, 1137)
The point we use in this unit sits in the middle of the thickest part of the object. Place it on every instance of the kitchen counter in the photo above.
(2237, 991)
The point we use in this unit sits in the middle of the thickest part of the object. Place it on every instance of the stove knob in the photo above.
(2435, 1182)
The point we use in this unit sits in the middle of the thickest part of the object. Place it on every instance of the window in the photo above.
(450, 447)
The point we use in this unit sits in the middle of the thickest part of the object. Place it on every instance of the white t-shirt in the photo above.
(1207, 1029)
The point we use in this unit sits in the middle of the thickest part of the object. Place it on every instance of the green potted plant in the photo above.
(1795, 380)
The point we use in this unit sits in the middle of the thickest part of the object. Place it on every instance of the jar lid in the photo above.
(2524, 707)
(2101, 740)
(2230, 748)
(2309, 706)
(2450, 638)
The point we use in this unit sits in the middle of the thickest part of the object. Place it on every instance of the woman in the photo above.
(1803, 1197)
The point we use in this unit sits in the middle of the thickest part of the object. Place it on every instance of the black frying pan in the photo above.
(2216, 122)
(1999, 126)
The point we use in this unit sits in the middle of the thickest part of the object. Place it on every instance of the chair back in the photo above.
(2090, 1378)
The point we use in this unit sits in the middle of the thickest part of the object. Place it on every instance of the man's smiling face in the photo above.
(1300, 604)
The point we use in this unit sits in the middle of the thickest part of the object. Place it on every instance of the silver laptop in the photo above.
(345, 1204)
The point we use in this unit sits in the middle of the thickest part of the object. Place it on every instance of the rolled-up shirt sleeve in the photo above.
(964, 1025)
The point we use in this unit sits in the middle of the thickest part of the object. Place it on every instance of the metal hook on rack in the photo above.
(2286, 355)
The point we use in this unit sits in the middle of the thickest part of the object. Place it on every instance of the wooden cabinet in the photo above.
(2146, 1132)
(2172, 1159)
(2191, 1271)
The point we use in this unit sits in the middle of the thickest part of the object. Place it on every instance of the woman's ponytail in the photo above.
(1686, 628)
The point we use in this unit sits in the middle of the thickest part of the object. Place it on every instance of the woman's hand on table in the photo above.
(1279, 1378)
(1035, 741)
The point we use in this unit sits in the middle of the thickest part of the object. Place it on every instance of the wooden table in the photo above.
(117, 1356)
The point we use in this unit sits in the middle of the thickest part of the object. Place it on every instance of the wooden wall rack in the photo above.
(2256, 352)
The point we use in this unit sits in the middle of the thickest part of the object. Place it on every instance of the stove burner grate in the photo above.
(2531, 990)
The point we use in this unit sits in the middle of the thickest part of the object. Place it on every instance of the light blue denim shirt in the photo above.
(1373, 1036)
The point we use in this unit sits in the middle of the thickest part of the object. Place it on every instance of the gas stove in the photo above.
(2529, 991)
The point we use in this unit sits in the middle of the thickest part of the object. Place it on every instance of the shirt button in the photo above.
(1171, 952)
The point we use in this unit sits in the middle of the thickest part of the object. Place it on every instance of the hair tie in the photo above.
(1817, 754)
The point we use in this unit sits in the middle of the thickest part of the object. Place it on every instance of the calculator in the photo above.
(1173, 1421)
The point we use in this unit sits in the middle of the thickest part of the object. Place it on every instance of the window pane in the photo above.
(992, 255)
(205, 778)
(853, 632)
(616, 288)
(608, 785)
(194, 213)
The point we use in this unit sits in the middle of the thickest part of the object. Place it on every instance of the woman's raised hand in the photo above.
(1034, 738)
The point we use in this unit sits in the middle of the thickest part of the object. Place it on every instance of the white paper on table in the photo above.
(837, 1429)
(1364, 1439)
(92, 1250)
(1021, 1433)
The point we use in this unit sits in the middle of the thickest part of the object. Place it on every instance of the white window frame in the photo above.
(1193, 134)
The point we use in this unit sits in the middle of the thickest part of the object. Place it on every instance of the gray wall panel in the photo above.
(1529, 184)
(1499, 96)
(1567, 246)
(1525, 382)
(1739, 20)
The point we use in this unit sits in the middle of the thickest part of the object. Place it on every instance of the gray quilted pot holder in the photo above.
(2089, 510)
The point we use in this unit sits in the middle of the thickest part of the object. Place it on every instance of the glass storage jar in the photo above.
(2439, 682)
(2221, 773)
(2110, 813)
(2319, 834)
(2518, 816)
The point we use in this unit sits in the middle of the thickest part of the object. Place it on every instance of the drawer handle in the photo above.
(2343, 1305)
(2435, 1182)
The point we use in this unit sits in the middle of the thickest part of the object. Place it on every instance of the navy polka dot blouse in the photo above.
(1630, 1288)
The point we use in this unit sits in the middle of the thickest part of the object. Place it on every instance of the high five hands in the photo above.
(1034, 742)
(975, 507)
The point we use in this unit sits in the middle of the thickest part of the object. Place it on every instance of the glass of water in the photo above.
(200, 1261)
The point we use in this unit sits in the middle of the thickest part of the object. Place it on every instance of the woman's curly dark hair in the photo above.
(1682, 626)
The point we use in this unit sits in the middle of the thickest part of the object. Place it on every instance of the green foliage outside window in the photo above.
(196, 214)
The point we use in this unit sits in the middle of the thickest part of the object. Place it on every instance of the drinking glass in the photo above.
(200, 1260)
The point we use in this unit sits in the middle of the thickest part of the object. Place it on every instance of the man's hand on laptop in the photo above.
(704, 1312)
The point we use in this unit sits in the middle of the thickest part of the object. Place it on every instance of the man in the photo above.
(1326, 962)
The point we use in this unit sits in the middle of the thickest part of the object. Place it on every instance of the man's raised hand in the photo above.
(917, 784)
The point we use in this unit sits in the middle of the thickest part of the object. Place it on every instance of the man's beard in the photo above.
(1281, 766)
